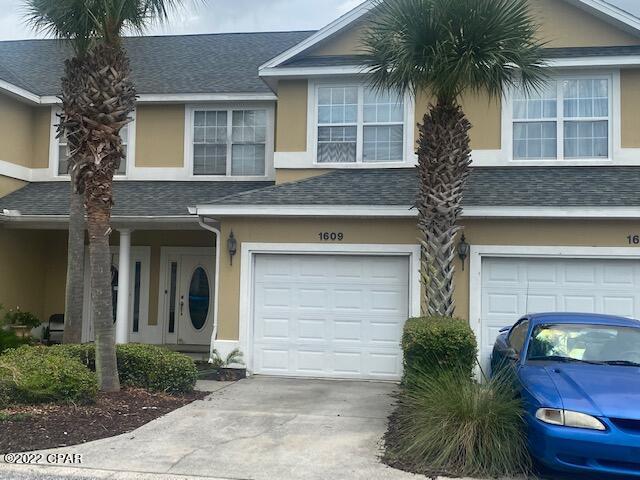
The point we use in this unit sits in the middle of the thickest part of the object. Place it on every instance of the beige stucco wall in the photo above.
(160, 135)
(9, 185)
(291, 116)
(630, 106)
(23, 270)
(561, 25)
(294, 175)
(42, 137)
(24, 133)
(403, 231)
(565, 25)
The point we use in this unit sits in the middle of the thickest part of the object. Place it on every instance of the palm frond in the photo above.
(450, 47)
(85, 21)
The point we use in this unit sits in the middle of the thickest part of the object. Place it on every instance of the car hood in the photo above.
(601, 390)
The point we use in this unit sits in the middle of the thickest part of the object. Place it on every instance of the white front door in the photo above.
(189, 298)
(513, 287)
(338, 316)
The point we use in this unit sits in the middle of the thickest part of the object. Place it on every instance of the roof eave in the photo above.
(400, 211)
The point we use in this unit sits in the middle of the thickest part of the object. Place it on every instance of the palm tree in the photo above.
(101, 97)
(449, 48)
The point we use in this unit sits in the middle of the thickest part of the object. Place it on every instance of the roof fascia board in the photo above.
(326, 32)
(19, 92)
(186, 98)
(566, 62)
(382, 211)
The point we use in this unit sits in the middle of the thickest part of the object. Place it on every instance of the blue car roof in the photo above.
(583, 318)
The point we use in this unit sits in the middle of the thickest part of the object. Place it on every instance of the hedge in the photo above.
(434, 344)
(9, 340)
(30, 375)
(142, 366)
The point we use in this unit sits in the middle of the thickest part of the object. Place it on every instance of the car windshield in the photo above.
(601, 344)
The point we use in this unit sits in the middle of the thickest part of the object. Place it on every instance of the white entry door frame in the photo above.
(247, 276)
(139, 274)
(177, 267)
(480, 252)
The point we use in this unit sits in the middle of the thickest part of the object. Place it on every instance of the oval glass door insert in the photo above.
(199, 298)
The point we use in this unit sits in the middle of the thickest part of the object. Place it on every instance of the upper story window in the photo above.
(61, 160)
(570, 119)
(230, 142)
(359, 124)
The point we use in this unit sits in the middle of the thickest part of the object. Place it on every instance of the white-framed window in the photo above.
(569, 119)
(230, 140)
(353, 123)
(60, 149)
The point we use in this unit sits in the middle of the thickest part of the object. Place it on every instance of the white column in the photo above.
(124, 274)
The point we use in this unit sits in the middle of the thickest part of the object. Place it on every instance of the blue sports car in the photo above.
(579, 376)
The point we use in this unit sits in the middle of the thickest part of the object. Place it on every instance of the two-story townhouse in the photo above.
(313, 271)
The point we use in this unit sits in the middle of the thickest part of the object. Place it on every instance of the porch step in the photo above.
(196, 352)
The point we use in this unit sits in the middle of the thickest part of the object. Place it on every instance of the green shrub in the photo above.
(8, 339)
(143, 366)
(437, 343)
(447, 424)
(37, 375)
(156, 368)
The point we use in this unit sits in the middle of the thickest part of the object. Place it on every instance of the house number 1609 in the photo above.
(634, 239)
(331, 236)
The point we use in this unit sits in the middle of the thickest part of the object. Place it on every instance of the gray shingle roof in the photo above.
(488, 186)
(218, 63)
(132, 198)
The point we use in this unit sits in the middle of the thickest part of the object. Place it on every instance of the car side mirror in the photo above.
(512, 355)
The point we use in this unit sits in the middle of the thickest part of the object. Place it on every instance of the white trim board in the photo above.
(247, 267)
(479, 252)
(384, 211)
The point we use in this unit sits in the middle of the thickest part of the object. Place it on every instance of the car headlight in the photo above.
(567, 418)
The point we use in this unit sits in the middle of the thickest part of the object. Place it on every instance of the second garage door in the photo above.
(336, 316)
(512, 287)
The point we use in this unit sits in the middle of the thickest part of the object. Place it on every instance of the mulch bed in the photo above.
(39, 427)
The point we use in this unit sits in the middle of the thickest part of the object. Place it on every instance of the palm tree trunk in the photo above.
(444, 157)
(73, 310)
(100, 260)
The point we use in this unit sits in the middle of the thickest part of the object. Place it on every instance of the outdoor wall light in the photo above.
(463, 250)
(232, 246)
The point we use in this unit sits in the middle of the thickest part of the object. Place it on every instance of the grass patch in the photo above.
(14, 417)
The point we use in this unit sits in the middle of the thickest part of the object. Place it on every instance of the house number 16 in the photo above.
(634, 239)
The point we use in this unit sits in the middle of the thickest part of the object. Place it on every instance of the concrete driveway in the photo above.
(260, 428)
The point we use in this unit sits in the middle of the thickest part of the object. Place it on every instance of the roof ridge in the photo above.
(171, 35)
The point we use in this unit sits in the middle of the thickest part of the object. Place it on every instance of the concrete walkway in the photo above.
(259, 429)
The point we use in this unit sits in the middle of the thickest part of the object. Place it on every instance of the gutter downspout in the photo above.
(214, 334)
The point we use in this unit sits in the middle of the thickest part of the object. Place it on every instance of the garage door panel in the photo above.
(345, 322)
(512, 287)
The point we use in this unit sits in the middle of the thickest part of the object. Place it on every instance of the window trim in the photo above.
(408, 148)
(613, 122)
(190, 110)
(54, 147)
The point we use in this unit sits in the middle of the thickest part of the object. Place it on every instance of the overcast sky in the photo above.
(213, 16)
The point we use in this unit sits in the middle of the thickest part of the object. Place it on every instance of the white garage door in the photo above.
(330, 315)
(512, 287)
